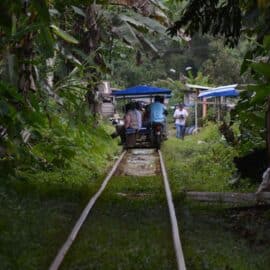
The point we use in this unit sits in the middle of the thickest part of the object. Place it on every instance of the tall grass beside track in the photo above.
(214, 236)
(129, 227)
(202, 162)
(39, 208)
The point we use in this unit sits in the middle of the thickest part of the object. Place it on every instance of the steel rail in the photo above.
(175, 231)
(72, 236)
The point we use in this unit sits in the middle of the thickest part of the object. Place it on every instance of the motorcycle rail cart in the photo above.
(150, 135)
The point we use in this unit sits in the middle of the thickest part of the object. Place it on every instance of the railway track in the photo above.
(129, 158)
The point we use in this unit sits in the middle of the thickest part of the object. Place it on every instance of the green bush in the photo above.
(202, 162)
(38, 133)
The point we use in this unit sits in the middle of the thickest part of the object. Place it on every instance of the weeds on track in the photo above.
(128, 229)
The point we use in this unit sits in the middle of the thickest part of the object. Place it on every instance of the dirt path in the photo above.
(140, 162)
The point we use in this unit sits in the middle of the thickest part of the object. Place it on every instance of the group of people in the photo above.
(137, 117)
(133, 116)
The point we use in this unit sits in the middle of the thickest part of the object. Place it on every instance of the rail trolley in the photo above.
(150, 134)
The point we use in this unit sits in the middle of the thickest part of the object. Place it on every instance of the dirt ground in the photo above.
(140, 162)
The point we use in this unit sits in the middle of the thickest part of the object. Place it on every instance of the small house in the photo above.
(107, 106)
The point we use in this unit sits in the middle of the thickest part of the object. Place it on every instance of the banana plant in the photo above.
(123, 23)
(25, 27)
(100, 28)
(27, 39)
(37, 35)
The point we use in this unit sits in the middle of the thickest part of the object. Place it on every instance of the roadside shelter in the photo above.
(217, 96)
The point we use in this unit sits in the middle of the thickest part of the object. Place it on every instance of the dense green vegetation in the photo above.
(52, 64)
(202, 162)
(238, 21)
(134, 208)
(53, 56)
(218, 237)
(55, 147)
(39, 208)
(214, 236)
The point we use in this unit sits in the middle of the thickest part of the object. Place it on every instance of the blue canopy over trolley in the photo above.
(142, 91)
(151, 134)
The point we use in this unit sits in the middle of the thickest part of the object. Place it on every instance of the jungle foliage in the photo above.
(236, 21)
(246, 64)
(53, 149)
(198, 160)
(53, 56)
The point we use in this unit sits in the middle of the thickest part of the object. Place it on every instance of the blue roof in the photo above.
(142, 90)
(222, 91)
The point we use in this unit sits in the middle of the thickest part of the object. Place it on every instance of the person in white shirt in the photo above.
(180, 115)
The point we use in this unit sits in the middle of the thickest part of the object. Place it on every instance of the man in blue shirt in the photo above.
(158, 111)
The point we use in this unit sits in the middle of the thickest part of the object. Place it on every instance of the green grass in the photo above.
(202, 162)
(128, 229)
(211, 240)
(39, 208)
(213, 235)
(31, 229)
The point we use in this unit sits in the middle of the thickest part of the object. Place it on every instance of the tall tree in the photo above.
(230, 19)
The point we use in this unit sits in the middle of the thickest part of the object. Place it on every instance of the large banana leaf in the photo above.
(126, 33)
(147, 45)
(151, 8)
(69, 56)
(148, 24)
(132, 37)
(78, 11)
(159, 5)
(130, 29)
(262, 91)
(64, 35)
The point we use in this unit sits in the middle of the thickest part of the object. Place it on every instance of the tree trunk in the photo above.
(25, 55)
(229, 197)
(268, 131)
(90, 44)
